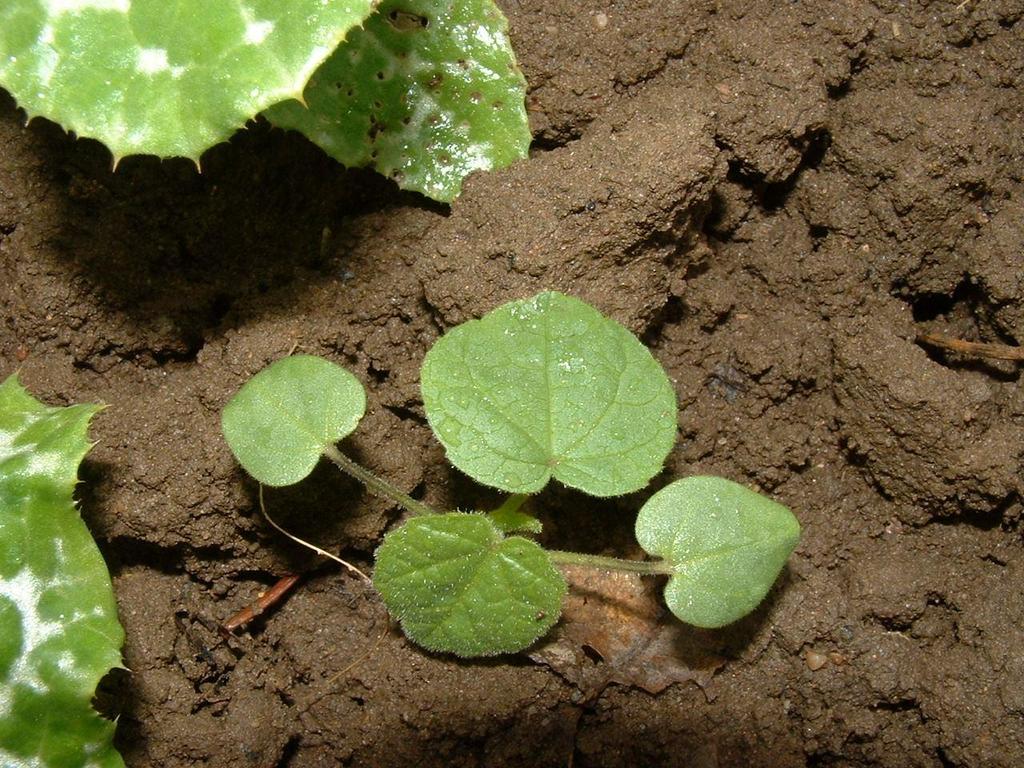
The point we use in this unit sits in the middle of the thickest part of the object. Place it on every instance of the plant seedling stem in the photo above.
(374, 484)
(380, 487)
(512, 503)
(643, 567)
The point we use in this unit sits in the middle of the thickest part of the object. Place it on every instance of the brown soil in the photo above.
(777, 196)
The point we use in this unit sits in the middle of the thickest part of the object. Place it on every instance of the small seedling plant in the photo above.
(425, 91)
(537, 390)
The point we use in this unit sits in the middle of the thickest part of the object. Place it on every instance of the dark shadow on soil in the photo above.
(163, 241)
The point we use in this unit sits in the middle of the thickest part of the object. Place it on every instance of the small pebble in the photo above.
(601, 19)
(815, 660)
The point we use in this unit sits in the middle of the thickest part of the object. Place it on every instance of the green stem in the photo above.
(376, 485)
(511, 504)
(380, 487)
(643, 567)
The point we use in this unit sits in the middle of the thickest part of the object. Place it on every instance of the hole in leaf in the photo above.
(498, 105)
(380, 75)
(435, 80)
(404, 21)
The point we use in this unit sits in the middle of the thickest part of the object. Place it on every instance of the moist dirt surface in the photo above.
(778, 197)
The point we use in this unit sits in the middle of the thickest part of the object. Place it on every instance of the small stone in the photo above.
(815, 660)
(601, 20)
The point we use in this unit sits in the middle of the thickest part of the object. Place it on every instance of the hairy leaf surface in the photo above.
(458, 585)
(549, 387)
(280, 421)
(59, 632)
(726, 544)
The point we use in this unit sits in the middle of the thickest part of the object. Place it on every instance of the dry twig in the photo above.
(262, 603)
(972, 348)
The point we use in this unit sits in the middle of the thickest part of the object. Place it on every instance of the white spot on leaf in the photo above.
(153, 60)
(484, 36)
(257, 31)
(25, 590)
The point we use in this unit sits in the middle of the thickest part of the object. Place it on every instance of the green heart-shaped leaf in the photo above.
(725, 543)
(458, 585)
(282, 419)
(59, 632)
(549, 387)
(164, 77)
(426, 92)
